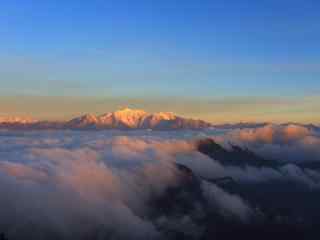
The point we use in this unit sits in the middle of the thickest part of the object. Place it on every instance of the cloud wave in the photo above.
(91, 185)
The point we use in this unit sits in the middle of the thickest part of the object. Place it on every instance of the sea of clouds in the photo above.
(97, 184)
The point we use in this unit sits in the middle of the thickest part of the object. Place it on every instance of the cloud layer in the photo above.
(287, 143)
(91, 185)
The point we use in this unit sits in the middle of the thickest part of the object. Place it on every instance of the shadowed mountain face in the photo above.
(289, 215)
(286, 209)
(236, 156)
(187, 205)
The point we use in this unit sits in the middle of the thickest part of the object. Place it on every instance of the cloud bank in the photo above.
(106, 184)
(287, 143)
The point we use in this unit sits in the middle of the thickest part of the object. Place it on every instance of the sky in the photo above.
(223, 61)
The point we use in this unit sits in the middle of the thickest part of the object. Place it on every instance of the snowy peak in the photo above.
(83, 121)
(136, 119)
(16, 120)
(127, 118)
(130, 118)
(128, 112)
(122, 119)
(164, 116)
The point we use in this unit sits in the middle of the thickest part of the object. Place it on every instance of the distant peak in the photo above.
(88, 115)
(84, 119)
(125, 118)
(165, 115)
(16, 120)
(130, 110)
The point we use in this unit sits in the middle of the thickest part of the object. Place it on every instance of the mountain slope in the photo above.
(136, 119)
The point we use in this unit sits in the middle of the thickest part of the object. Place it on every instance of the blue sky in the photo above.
(142, 49)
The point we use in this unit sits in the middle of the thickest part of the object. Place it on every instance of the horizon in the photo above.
(229, 62)
(159, 120)
(218, 111)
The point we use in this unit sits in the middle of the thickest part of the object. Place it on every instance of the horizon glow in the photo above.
(241, 61)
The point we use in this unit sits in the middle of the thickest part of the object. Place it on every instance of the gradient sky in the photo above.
(223, 61)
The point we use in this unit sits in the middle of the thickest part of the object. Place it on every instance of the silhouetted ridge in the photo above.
(236, 156)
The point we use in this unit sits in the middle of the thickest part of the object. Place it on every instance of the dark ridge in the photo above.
(237, 156)
(181, 199)
(189, 174)
(263, 231)
(311, 165)
(276, 218)
(220, 181)
(3, 236)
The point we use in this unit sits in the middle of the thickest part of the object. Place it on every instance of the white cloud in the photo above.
(74, 183)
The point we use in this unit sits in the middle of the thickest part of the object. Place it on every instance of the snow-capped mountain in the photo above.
(83, 121)
(15, 120)
(123, 119)
(132, 119)
(135, 119)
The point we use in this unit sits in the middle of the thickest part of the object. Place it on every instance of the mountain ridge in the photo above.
(122, 119)
(137, 119)
(127, 118)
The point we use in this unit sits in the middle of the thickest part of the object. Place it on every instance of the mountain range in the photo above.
(129, 119)
(123, 119)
